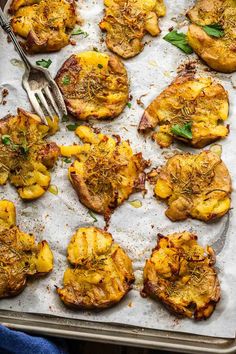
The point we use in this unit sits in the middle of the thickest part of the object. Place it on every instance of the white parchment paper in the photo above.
(55, 218)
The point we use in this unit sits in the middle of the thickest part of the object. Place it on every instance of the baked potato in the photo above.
(212, 33)
(181, 275)
(45, 25)
(20, 256)
(25, 157)
(197, 186)
(105, 172)
(190, 109)
(127, 21)
(94, 85)
(102, 272)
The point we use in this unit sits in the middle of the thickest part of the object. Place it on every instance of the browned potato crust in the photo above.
(46, 25)
(106, 172)
(218, 53)
(20, 256)
(127, 21)
(102, 273)
(180, 274)
(197, 186)
(199, 103)
(94, 85)
(25, 156)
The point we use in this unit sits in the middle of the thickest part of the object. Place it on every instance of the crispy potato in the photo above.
(46, 25)
(180, 274)
(105, 172)
(25, 156)
(197, 103)
(102, 273)
(20, 256)
(94, 85)
(127, 21)
(218, 52)
(197, 186)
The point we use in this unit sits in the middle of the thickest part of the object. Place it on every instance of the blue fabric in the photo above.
(14, 342)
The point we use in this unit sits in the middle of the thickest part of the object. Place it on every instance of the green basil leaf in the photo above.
(66, 80)
(72, 127)
(44, 63)
(184, 130)
(179, 40)
(129, 104)
(6, 139)
(214, 30)
(78, 32)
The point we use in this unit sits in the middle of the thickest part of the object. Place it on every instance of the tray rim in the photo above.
(116, 334)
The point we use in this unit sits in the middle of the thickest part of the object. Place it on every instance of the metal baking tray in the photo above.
(116, 334)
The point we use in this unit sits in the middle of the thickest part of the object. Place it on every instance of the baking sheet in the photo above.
(55, 218)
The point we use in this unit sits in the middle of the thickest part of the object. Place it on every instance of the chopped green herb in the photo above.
(95, 49)
(53, 189)
(184, 131)
(129, 105)
(44, 63)
(66, 80)
(214, 30)
(92, 216)
(6, 139)
(100, 66)
(78, 32)
(24, 149)
(65, 118)
(179, 40)
(67, 160)
(72, 127)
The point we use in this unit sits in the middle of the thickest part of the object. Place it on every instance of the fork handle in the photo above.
(4, 23)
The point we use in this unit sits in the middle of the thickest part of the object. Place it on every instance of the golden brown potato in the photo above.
(127, 21)
(94, 85)
(180, 274)
(218, 52)
(25, 156)
(20, 256)
(105, 172)
(46, 25)
(102, 273)
(190, 109)
(197, 186)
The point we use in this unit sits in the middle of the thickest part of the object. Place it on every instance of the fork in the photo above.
(41, 89)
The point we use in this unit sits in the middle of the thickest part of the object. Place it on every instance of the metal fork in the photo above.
(42, 90)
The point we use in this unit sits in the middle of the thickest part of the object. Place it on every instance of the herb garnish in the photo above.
(66, 80)
(214, 30)
(184, 130)
(44, 63)
(64, 118)
(129, 104)
(100, 66)
(92, 216)
(67, 160)
(179, 40)
(72, 127)
(78, 32)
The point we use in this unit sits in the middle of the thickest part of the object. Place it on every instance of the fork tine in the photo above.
(37, 107)
(45, 104)
(51, 99)
(58, 97)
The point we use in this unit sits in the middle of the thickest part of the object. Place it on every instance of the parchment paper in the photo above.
(55, 218)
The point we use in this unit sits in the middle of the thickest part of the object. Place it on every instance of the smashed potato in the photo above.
(180, 274)
(190, 109)
(94, 85)
(46, 25)
(216, 48)
(197, 186)
(25, 156)
(20, 256)
(105, 172)
(102, 273)
(127, 21)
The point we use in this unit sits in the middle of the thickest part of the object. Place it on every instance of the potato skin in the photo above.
(196, 186)
(199, 101)
(45, 24)
(25, 155)
(20, 256)
(127, 22)
(180, 274)
(98, 85)
(102, 273)
(218, 53)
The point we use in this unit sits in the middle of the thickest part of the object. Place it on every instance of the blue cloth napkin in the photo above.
(14, 342)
